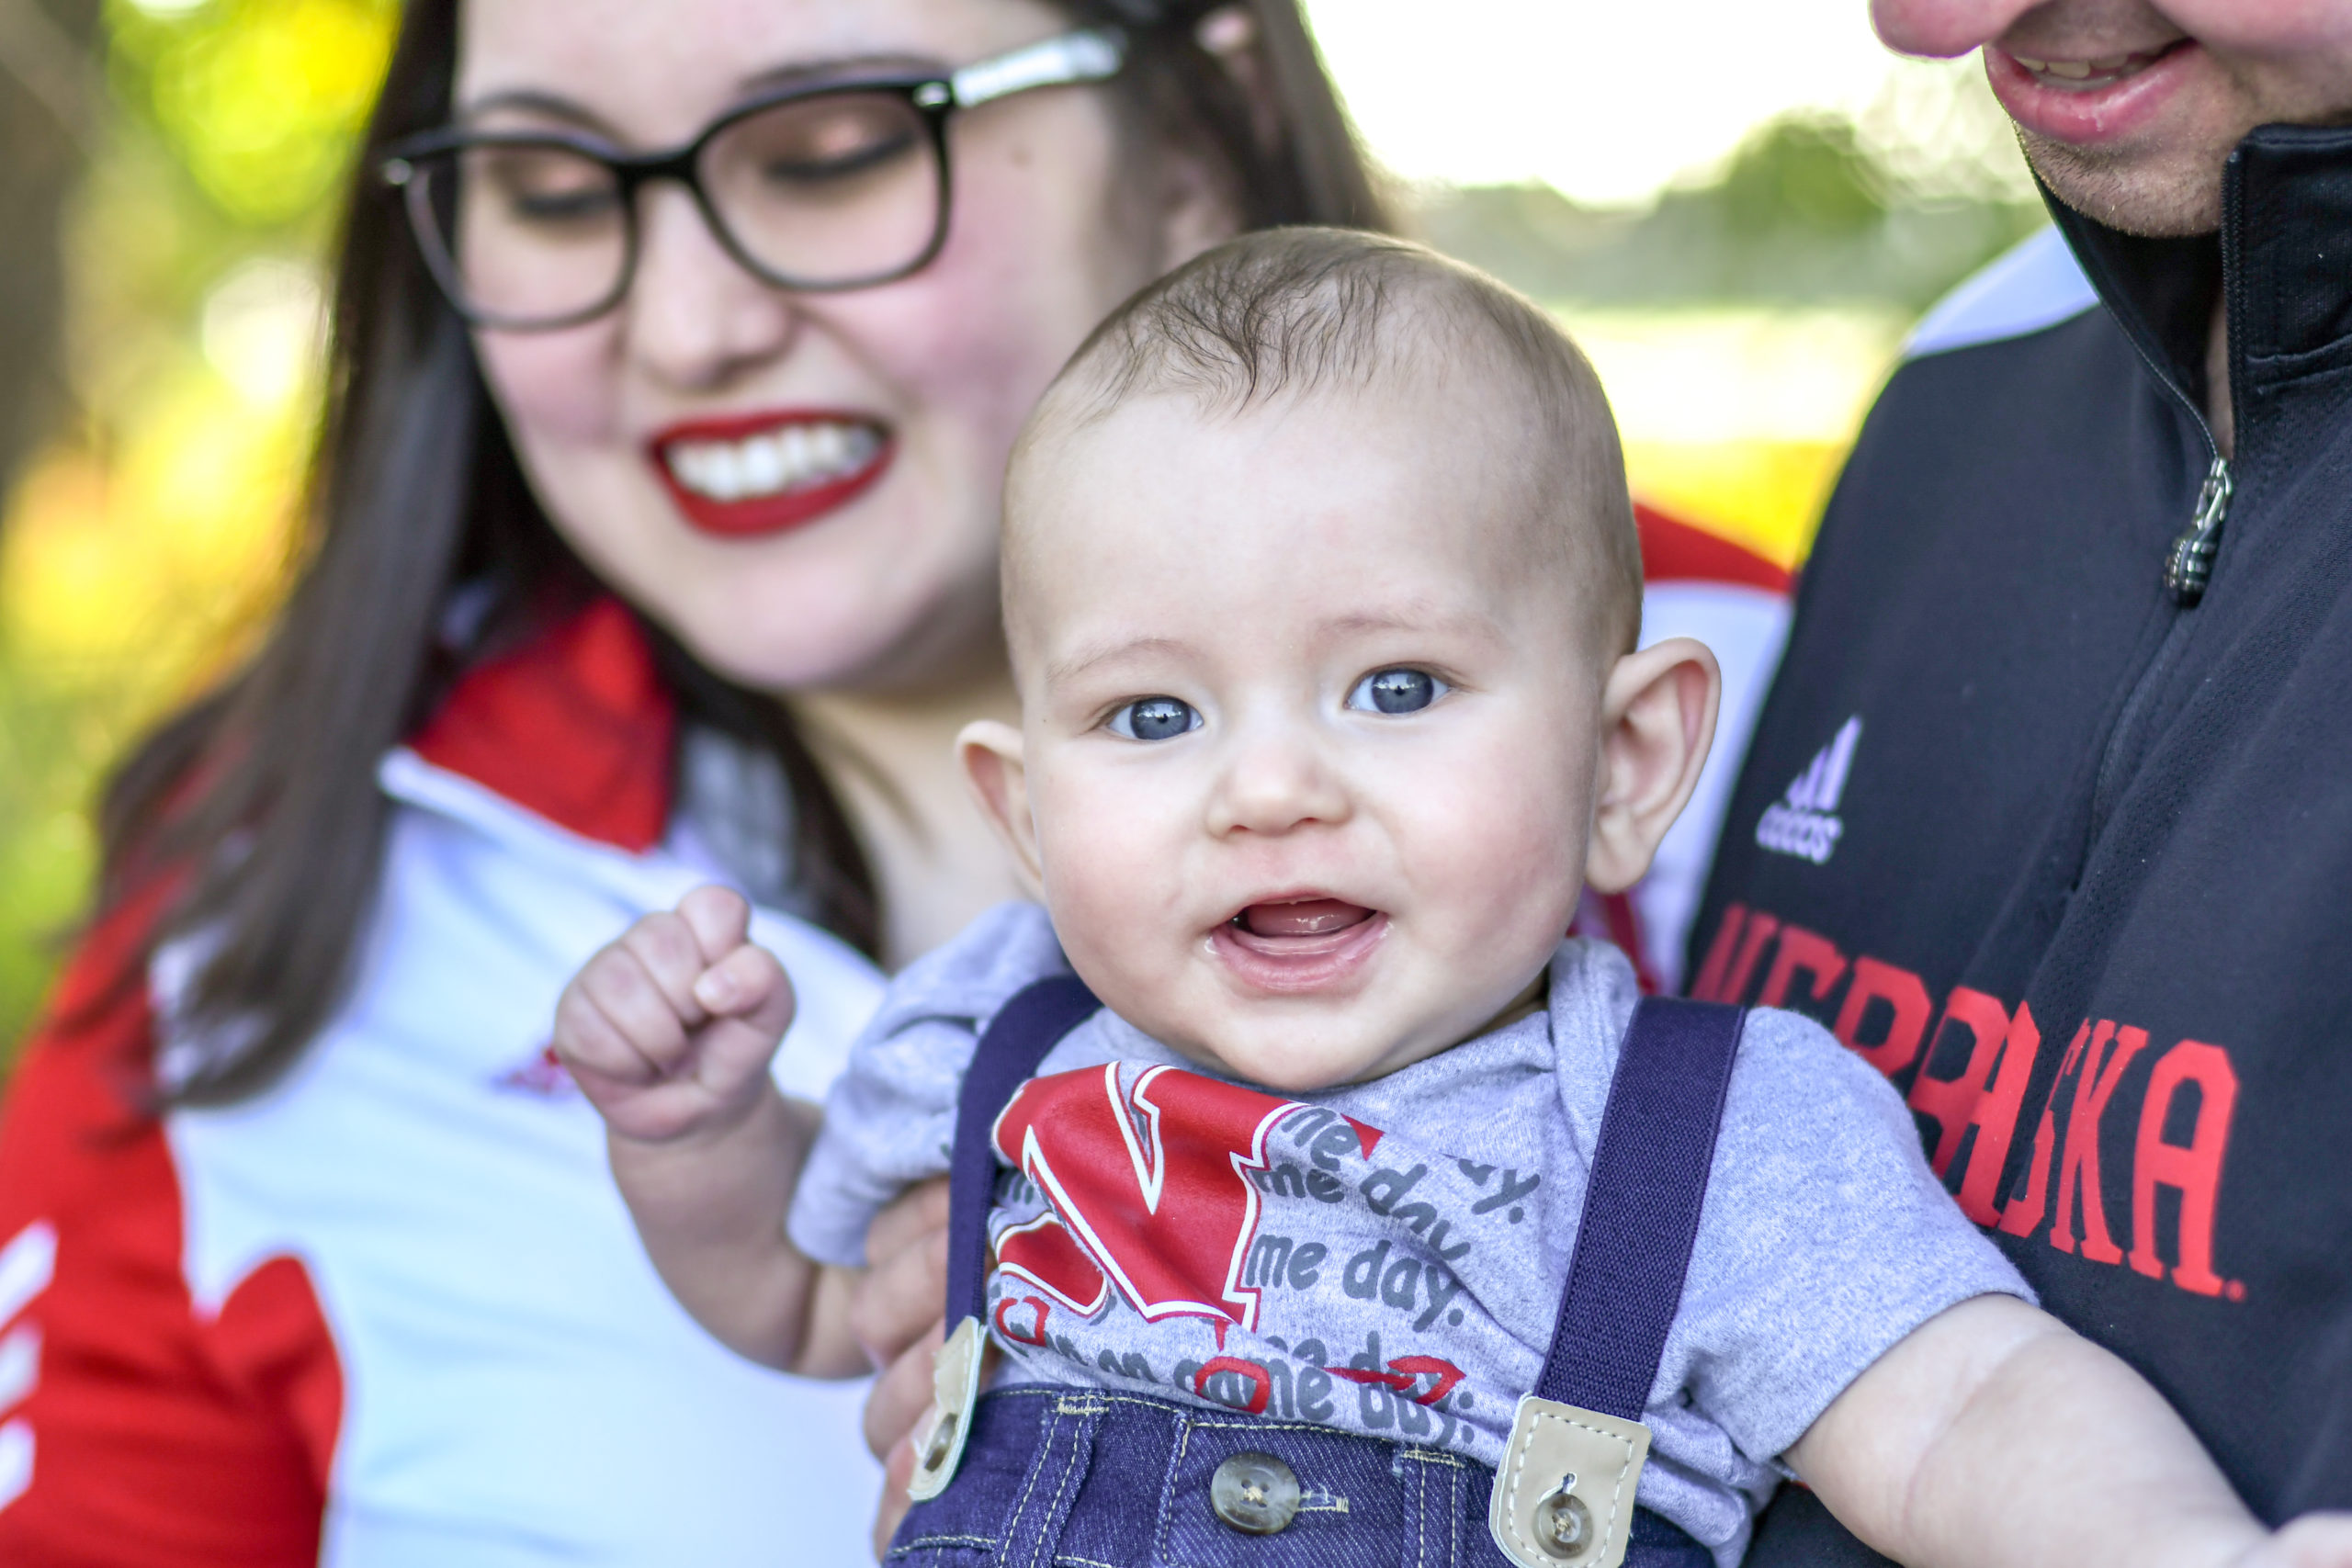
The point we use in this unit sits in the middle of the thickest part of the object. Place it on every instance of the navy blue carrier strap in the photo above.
(1015, 1041)
(1641, 1205)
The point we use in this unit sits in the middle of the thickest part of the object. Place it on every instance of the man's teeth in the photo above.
(797, 457)
(2084, 70)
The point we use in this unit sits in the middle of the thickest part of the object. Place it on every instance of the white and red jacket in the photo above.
(392, 1312)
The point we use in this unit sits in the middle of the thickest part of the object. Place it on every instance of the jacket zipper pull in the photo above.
(2188, 565)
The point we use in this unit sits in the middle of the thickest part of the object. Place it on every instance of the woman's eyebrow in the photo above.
(847, 67)
(532, 100)
(554, 106)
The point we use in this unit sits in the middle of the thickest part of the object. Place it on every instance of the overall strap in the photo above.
(1031, 1024)
(1641, 1207)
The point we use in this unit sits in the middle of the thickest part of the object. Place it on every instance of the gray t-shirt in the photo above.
(1388, 1257)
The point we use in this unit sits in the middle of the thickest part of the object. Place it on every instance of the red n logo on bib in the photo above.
(1153, 1184)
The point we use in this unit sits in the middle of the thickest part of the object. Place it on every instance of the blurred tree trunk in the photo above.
(49, 116)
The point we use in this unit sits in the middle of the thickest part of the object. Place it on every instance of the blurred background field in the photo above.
(1739, 210)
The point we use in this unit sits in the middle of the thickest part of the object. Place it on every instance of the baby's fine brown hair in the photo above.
(1287, 312)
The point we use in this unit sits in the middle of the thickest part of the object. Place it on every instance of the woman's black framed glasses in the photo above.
(838, 186)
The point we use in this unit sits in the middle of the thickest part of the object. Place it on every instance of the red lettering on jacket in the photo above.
(1883, 1017)
(1761, 928)
(1988, 1095)
(2078, 1166)
(1802, 952)
(1906, 994)
(1153, 1183)
(1709, 986)
(2193, 1169)
(2023, 1215)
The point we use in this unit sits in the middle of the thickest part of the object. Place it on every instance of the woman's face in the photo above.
(909, 391)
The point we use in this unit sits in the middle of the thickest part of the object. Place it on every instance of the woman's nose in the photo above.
(1943, 29)
(1277, 784)
(695, 318)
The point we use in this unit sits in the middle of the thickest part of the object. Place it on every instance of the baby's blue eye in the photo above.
(1155, 718)
(1396, 690)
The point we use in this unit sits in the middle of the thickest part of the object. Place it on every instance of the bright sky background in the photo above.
(1606, 99)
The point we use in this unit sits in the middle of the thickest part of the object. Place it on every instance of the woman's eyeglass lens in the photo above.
(822, 190)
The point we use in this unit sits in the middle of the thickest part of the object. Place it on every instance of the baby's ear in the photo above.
(1658, 718)
(992, 758)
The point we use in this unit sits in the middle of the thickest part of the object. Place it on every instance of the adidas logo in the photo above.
(1804, 821)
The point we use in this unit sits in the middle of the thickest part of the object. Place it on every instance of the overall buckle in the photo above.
(955, 1390)
(1563, 1493)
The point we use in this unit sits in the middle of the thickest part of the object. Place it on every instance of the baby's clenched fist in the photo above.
(669, 1031)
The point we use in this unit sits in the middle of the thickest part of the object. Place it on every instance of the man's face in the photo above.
(2129, 108)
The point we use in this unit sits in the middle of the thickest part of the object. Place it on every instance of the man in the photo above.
(2049, 815)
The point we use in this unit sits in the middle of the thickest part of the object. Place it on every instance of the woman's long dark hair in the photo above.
(262, 796)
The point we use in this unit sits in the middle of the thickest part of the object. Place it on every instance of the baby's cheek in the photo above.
(1110, 874)
(1501, 855)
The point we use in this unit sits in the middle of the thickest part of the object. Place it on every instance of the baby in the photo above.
(1355, 1220)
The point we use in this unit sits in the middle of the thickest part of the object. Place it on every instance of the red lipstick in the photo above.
(750, 475)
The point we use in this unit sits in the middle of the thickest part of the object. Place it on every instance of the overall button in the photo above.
(1256, 1493)
(1563, 1524)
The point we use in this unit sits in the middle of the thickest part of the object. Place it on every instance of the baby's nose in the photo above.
(1275, 785)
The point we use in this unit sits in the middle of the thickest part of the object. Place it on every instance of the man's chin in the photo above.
(2161, 195)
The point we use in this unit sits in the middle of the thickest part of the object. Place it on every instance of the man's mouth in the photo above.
(762, 473)
(1296, 943)
(2091, 100)
(2087, 76)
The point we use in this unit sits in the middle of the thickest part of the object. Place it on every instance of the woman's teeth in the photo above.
(795, 456)
(2083, 72)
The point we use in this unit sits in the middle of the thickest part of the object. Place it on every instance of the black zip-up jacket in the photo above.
(2063, 845)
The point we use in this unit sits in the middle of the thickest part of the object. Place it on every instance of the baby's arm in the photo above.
(668, 1032)
(1992, 1434)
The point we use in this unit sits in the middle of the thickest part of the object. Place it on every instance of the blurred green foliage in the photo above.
(1804, 213)
(138, 547)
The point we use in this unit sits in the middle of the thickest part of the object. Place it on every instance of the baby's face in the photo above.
(1312, 715)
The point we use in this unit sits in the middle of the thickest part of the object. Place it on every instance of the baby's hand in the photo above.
(670, 1030)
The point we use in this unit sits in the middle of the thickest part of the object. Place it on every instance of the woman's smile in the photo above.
(761, 473)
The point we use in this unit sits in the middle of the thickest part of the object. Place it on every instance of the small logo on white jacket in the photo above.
(1803, 822)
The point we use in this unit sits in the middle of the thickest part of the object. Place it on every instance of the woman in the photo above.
(305, 1250)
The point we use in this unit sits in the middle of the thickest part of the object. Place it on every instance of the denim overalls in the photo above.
(1064, 1477)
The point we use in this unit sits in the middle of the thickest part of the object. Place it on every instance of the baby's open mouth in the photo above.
(1302, 918)
(1295, 945)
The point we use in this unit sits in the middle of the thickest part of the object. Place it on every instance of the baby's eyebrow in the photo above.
(1086, 655)
(1412, 618)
